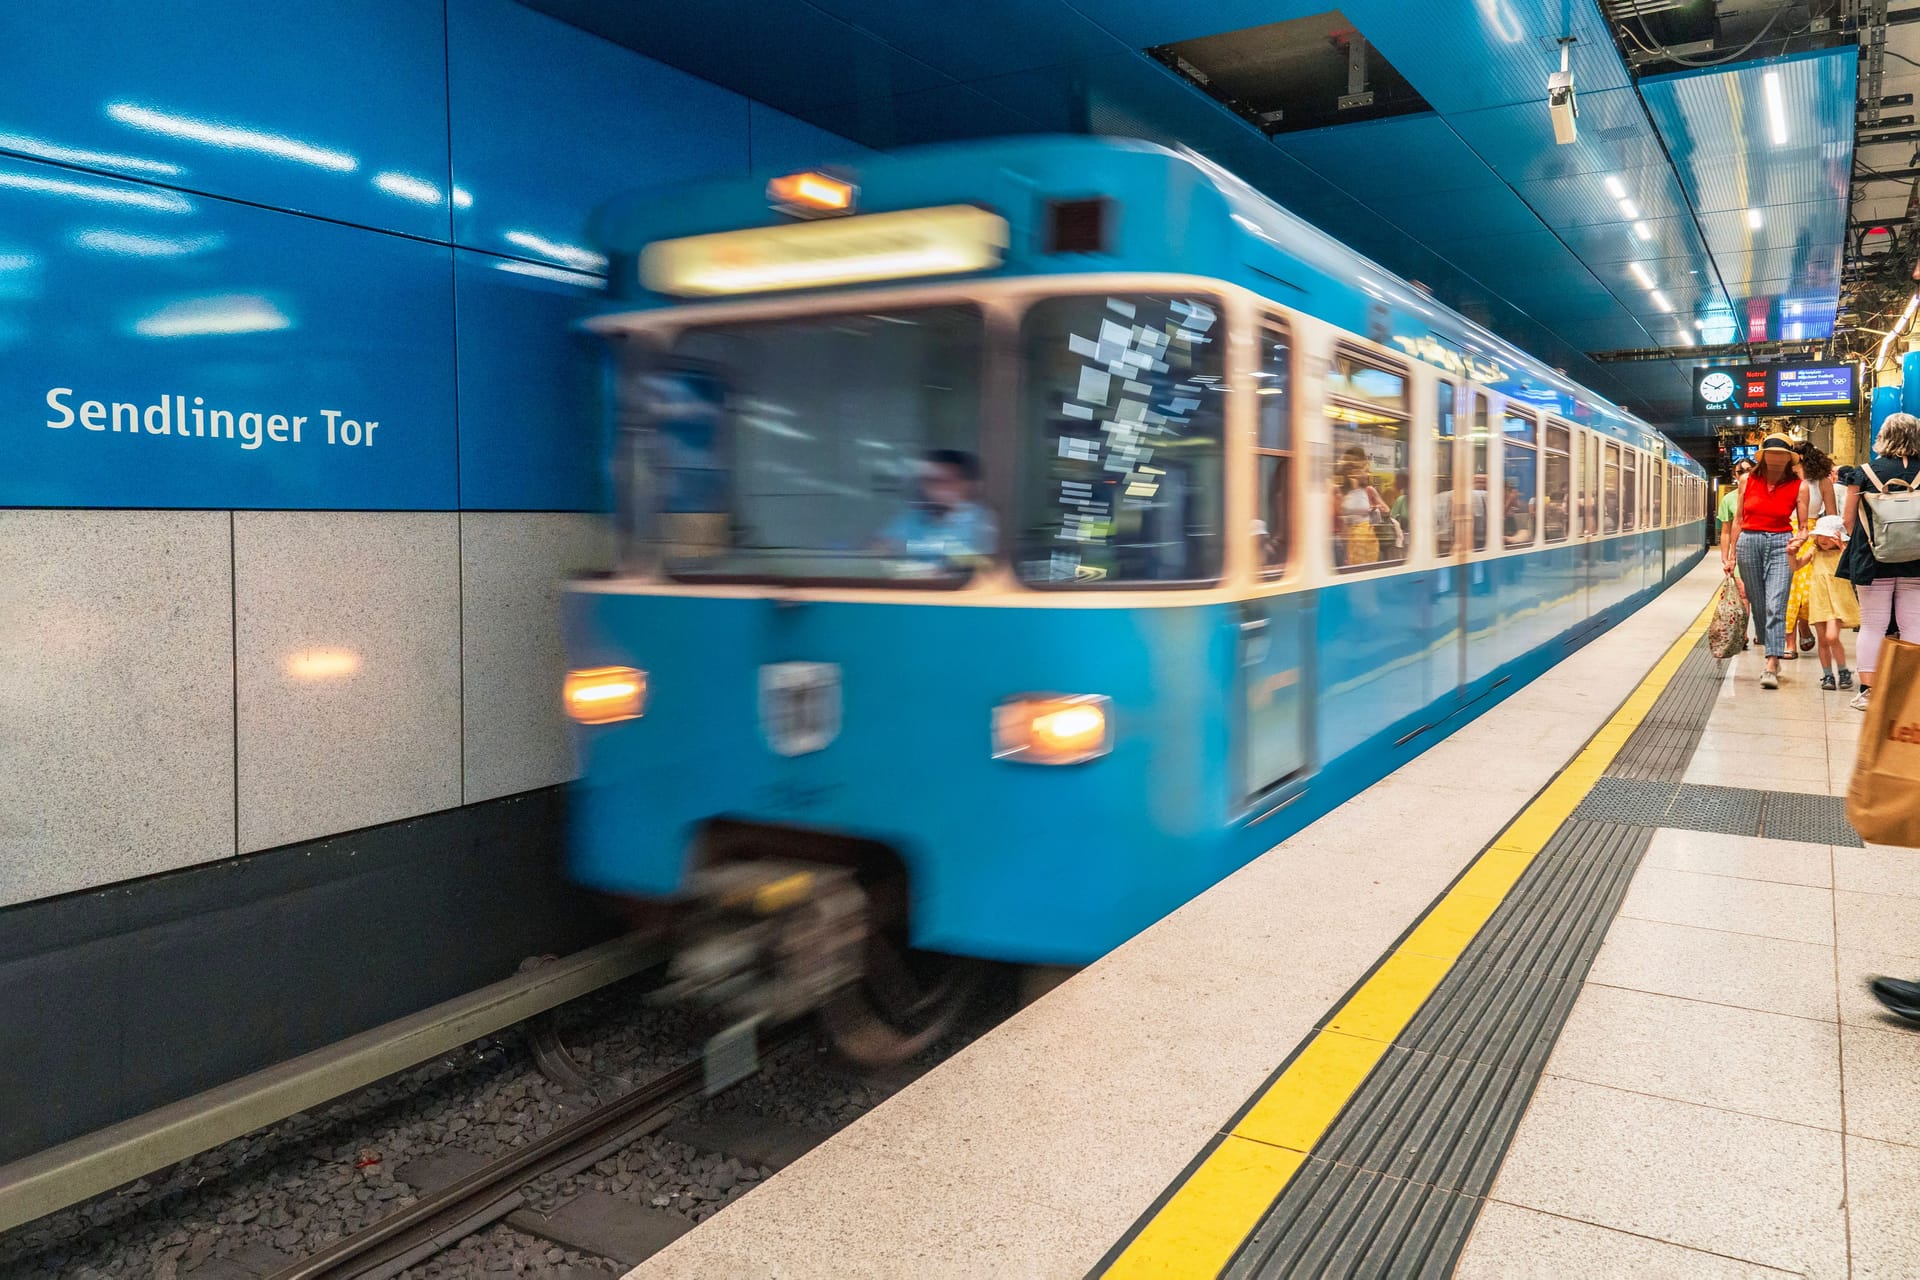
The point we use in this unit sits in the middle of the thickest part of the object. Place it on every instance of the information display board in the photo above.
(1791, 389)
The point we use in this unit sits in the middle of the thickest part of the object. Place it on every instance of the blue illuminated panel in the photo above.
(124, 303)
(336, 109)
(535, 154)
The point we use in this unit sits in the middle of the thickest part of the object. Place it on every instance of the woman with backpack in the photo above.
(1882, 559)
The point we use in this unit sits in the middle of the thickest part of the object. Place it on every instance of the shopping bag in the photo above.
(1727, 632)
(1883, 799)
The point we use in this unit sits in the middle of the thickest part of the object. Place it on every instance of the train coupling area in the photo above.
(764, 942)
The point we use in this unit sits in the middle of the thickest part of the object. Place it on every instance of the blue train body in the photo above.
(1242, 707)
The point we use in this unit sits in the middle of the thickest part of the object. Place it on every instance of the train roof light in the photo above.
(810, 194)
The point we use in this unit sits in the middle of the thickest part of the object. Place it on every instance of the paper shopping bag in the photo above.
(1883, 800)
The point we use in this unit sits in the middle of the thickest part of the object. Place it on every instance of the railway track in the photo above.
(439, 1219)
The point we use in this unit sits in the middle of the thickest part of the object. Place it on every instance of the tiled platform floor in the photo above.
(1726, 1098)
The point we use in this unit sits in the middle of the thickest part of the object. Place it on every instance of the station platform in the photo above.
(1579, 991)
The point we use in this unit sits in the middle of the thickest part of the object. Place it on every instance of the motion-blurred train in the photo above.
(1018, 537)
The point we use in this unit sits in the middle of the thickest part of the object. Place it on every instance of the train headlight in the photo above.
(1053, 729)
(602, 695)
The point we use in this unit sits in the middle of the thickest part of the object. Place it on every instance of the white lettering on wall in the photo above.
(170, 415)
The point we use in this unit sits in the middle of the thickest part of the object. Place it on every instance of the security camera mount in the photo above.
(1560, 101)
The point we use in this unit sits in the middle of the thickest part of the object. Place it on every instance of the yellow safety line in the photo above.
(1220, 1201)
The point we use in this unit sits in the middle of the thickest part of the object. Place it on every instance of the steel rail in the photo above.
(435, 1221)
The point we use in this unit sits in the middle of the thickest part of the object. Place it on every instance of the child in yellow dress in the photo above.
(1831, 604)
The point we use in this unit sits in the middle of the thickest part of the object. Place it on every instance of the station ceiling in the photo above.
(1704, 207)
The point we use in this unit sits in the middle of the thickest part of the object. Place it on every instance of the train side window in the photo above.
(1589, 484)
(1559, 481)
(1656, 494)
(1444, 438)
(1273, 452)
(1520, 503)
(1630, 490)
(1610, 491)
(1477, 493)
(1123, 427)
(1367, 405)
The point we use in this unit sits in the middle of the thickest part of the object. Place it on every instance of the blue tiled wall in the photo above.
(370, 208)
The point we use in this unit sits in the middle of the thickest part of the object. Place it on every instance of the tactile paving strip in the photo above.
(1394, 1186)
(1792, 815)
(1733, 810)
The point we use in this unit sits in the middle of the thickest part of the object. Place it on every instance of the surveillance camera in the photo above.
(1561, 106)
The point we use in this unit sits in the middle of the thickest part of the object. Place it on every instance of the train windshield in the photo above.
(1122, 427)
(820, 448)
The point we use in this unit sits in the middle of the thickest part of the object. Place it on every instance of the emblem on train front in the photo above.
(799, 706)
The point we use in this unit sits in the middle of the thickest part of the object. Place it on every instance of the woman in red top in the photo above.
(1763, 521)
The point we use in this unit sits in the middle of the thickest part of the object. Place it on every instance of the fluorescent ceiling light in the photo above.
(1776, 108)
(462, 198)
(1660, 300)
(543, 272)
(89, 159)
(1700, 324)
(128, 244)
(237, 313)
(138, 197)
(1642, 230)
(1629, 209)
(1753, 219)
(407, 187)
(1641, 274)
(1686, 339)
(232, 137)
(570, 254)
(1616, 188)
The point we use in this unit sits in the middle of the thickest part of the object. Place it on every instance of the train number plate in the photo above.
(799, 706)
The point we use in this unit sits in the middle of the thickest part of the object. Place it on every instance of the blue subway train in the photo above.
(1019, 536)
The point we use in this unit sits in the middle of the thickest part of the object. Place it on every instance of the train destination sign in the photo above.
(1775, 389)
(838, 251)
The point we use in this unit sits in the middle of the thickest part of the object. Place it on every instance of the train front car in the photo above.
(915, 652)
(1017, 537)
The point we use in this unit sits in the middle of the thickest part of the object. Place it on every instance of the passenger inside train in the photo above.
(945, 523)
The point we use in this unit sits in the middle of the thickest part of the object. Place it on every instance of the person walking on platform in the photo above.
(1816, 471)
(1830, 603)
(1886, 591)
(1772, 499)
(1723, 519)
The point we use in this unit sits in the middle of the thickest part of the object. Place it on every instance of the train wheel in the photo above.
(905, 1002)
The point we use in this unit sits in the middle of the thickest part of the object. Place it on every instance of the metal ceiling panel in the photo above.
(1617, 333)
(1468, 215)
(941, 114)
(1776, 132)
(1595, 243)
(1497, 259)
(1779, 224)
(790, 55)
(1397, 158)
(1051, 32)
(1813, 268)
(1517, 141)
(1587, 198)
(1146, 23)
(1468, 55)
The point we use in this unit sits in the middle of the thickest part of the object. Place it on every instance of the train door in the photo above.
(1452, 534)
(1589, 513)
(1276, 726)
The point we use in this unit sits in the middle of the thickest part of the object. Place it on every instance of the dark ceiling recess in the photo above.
(1302, 74)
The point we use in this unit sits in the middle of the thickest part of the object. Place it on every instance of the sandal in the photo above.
(1806, 644)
